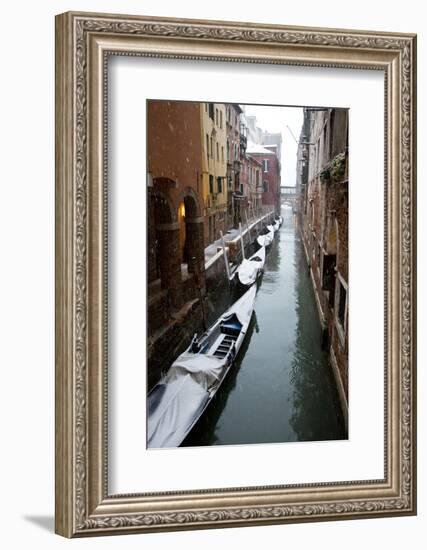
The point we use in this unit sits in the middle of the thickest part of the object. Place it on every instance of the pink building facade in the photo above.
(270, 174)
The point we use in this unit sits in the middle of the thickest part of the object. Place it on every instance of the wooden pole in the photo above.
(247, 226)
(201, 297)
(256, 222)
(224, 250)
(241, 241)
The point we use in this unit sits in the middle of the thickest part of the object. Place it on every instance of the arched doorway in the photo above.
(159, 212)
(175, 242)
(191, 231)
(164, 261)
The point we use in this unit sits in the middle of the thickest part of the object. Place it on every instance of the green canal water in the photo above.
(281, 387)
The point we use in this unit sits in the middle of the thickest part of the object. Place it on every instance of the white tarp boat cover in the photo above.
(259, 256)
(249, 268)
(247, 272)
(243, 307)
(265, 240)
(179, 399)
(204, 369)
(171, 414)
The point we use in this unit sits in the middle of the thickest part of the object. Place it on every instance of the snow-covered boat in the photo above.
(274, 226)
(278, 222)
(265, 240)
(177, 402)
(248, 271)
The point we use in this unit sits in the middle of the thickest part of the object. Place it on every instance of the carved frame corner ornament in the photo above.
(83, 43)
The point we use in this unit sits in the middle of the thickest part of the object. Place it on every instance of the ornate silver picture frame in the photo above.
(84, 42)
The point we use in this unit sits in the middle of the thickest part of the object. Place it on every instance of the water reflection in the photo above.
(310, 373)
(281, 387)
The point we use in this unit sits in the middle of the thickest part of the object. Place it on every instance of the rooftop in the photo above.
(256, 149)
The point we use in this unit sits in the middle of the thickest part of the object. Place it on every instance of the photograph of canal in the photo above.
(247, 274)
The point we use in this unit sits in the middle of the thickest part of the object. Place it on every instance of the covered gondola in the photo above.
(177, 402)
(266, 239)
(250, 268)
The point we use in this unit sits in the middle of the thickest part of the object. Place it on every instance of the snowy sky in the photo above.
(275, 119)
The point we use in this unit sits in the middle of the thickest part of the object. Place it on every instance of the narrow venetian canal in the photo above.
(281, 387)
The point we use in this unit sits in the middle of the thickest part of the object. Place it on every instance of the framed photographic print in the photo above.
(235, 274)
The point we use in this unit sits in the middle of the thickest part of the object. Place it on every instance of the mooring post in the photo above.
(199, 287)
(247, 227)
(227, 267)
(256, 222)
(241, 241)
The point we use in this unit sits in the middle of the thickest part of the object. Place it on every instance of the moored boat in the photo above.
(266, 239)
(248, 271)
(177, 402)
